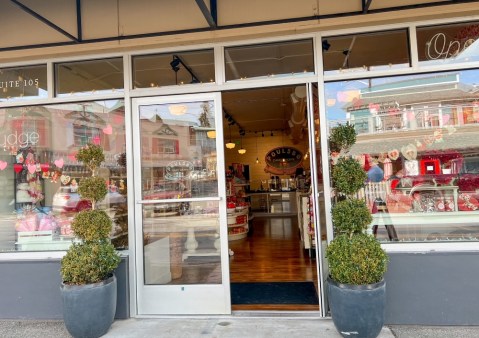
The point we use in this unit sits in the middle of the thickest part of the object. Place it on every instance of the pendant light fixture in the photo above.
(230, 145)
(242, 151)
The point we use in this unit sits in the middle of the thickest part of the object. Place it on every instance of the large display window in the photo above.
(39, 173)
(417, 140)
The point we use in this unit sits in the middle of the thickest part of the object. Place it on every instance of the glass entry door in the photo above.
(180, 212)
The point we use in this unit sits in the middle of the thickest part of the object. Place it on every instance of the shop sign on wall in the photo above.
(283, 160)
(177, 170)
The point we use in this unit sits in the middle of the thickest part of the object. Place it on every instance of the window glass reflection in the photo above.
(181, 248)
(178, 157)
(192, 67)
(364, 52)
(269, 60)
(40, 175)
(447, 44)
(23, 83)
(89, 77)
(417, 139)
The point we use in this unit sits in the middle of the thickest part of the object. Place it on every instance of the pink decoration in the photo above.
(96, 140)
(108, 130)
(3, 165)
(388, 168)
(31, 168)
(59, 163)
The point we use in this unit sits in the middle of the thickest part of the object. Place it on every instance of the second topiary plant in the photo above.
(357, 262)
(89, 286)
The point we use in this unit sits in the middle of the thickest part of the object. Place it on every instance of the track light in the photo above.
(175, 64)
(326, 45)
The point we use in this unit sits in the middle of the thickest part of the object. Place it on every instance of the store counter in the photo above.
(273, 202)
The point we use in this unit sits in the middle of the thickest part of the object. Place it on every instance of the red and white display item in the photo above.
(238, 225)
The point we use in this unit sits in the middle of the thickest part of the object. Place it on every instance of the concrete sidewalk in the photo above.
(227, 327)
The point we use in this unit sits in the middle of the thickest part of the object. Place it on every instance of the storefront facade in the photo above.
(407, 84)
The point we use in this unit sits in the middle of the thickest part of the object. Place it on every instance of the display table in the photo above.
(453, 189)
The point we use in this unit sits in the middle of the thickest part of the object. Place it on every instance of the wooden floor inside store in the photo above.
(272, 252)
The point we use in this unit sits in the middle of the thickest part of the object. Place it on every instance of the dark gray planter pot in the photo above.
(89, 310)
(357, 310)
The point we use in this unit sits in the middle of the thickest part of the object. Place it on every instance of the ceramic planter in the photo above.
(89, 310)
(357, 310)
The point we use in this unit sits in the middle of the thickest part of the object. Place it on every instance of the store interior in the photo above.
(271, 232)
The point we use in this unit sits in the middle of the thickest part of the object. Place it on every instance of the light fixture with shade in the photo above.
(211, 133)
(242, 150)
(230, 145)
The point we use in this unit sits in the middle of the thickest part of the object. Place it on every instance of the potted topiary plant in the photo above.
(357, 263)
(89, 285)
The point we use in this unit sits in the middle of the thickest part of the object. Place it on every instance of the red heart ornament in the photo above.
(45, 167)
(17, 167)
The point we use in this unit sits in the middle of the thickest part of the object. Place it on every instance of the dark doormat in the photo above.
(274, 293)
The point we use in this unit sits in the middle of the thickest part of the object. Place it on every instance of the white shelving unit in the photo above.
(238, 224)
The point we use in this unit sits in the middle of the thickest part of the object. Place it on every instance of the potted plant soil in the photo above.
(357, 263)
(89, 285)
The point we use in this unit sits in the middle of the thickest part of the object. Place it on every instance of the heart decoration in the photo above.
(31, 168)
(44, 167)
(96, 140)
(409, 151)
(3, 165)
(108, 130)
(59, 163)
(72, 157)
(393, 154)
(65, 179)
(17, 167)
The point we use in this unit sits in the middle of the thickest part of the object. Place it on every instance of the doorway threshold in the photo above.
(274, 314)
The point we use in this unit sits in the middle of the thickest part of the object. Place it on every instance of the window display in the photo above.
(39, 172)
(423, 177)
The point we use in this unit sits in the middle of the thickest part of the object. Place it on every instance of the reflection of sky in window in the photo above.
(339, 94)
(190, 118)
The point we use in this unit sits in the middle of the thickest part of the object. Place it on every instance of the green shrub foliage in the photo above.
(348, 176)
(342, 137)
(93, 188)
(356, 260)
(351, 216)
(94, 258)
(91, 155)
(91, 225)
(89, 262)
(354, 257)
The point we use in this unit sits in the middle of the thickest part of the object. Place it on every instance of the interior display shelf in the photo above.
(237, 225)
(234, 237)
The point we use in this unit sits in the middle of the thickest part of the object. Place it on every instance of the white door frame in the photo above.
(191, 298)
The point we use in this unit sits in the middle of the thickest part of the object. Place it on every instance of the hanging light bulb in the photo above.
(242, 151)
(257, 158)
(230, 145)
